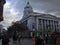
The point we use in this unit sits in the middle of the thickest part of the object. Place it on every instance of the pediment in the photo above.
(45, 15)
(49, 16)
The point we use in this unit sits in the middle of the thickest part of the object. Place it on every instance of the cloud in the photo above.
(10, 15)
(47, 6)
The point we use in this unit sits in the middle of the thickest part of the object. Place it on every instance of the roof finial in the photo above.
(28, 2)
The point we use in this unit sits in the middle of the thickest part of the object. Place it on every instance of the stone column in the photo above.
(42, 23)
(57, 26)
(51, 25)
(42, 26)
(45, 24)
(48, 24)
(39, 24)
(54, 25)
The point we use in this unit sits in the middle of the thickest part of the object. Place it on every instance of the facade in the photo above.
(38, 22)
(2, 2)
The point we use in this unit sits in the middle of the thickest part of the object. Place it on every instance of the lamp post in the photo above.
(2, 2)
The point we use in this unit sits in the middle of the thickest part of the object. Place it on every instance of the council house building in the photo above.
(39, 22)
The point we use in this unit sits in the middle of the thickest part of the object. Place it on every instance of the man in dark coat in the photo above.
(5, 40)
(39, 41)
(19, 38)
(15, 36)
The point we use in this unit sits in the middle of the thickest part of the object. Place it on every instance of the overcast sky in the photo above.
(13, 9)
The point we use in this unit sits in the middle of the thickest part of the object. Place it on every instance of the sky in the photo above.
(13, 9)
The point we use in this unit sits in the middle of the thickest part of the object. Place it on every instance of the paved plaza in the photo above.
(23, 42)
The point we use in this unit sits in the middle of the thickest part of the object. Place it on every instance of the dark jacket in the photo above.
(39, 41)
(5, 40)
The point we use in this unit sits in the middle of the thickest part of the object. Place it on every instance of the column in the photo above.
(45, 25)
(42, 23)
(57, 25)
(39, 25)
(52, 24)
(48, 24)
(42, 26)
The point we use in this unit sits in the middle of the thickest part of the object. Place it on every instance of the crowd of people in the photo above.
(17, 38)
(6, 38)
(38, 40)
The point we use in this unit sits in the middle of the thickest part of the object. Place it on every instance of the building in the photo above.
(2, 2)
(39, 23)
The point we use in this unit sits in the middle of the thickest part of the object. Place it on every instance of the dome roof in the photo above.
(28, 5)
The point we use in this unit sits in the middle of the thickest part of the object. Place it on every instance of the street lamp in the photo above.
(2, 2)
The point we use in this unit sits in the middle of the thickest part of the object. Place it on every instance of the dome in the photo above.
(28, 6)
(27, 9)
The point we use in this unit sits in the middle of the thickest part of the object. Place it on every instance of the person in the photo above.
(5, 40)
(33, 38)
(39, 41)
(15, 37)
(19, 38)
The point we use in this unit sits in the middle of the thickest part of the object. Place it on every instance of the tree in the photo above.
(17, 27)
